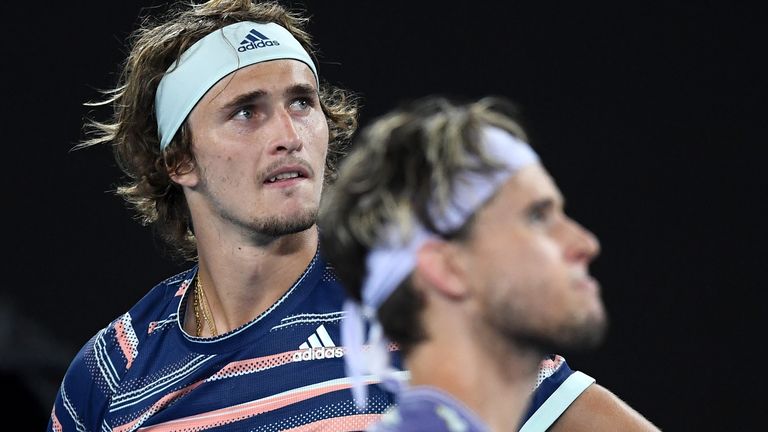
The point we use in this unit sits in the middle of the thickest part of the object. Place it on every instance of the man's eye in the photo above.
(301, 104)
(244, 113)
(538, 215)
(541, 212)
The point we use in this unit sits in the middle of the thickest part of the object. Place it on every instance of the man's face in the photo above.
(529, 263)
(260, 140)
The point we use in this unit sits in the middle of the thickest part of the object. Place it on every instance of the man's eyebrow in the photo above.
(301, 90)
(248, 98)
(542, 204)
(547, 203)
(252, 97)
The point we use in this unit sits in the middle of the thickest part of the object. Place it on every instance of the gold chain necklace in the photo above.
(202, 310)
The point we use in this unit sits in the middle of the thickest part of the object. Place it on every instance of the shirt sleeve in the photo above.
(87, 387)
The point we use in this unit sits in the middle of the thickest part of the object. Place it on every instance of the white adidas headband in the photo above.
(394, 258)
(212, 58)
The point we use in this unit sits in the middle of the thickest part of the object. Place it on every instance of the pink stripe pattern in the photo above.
(243, 411)
(339, 424)
(127, 339)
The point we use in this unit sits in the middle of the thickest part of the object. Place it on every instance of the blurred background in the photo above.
(649, 115)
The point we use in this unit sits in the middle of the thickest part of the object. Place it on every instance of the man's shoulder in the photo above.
(157, 309)
(160, 305)
(171, 289)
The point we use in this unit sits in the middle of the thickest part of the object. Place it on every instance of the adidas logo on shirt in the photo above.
(318, 346)
(255, 40)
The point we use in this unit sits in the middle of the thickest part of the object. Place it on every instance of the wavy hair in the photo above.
(401, 165)
(132, 130)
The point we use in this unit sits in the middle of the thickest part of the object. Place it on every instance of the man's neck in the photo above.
(241, 281)
(495, 384)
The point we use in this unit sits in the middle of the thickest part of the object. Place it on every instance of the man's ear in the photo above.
(439, 266)
(184, 173)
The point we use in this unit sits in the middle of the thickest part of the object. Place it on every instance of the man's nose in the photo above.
(285, 138)
(584, 245)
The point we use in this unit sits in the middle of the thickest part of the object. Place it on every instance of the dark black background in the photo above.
(650, 115)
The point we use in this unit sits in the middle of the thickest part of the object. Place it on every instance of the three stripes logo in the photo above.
(318, 346)
(255, 40)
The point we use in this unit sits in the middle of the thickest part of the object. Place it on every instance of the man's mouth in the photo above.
(284, 176)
